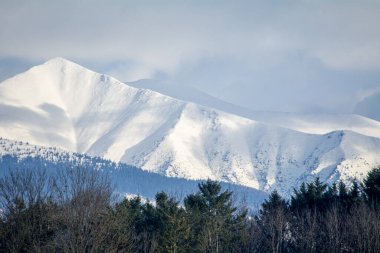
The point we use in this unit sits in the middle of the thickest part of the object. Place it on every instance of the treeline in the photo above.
(74, 211)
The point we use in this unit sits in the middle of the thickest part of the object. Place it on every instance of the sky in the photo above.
(297, 56)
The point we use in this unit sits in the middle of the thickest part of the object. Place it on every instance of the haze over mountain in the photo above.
(314, 123)
(369, 106)
(297, 56)
(61, 104)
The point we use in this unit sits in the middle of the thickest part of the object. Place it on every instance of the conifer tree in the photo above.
(211, 215)
(371, 187)
(174, 229)
(272, 220)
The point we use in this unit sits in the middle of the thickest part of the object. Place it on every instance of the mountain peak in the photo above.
(59, 60)
(62, 62)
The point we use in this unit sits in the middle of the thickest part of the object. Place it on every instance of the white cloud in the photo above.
(175, 38)
(127, 73)
(164, 35)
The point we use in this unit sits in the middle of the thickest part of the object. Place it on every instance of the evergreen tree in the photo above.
(174, 228)
(273, 202)
(123, 218)
(299, 198)
(311, 196)
(354, 194)
(331, 195)
(211, 217)
(272, 221)
(371, 187)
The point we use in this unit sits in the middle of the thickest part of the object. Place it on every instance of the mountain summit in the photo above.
(65, 105)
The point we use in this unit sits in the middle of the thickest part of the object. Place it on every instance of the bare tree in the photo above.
(335, 230)
(84, 195)
(26, 210)
(304, 230)
(364, 226)
(23, 187)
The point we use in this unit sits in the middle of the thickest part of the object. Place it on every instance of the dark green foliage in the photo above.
(273, 203)
(333, 219)
(311, 195)
(212, 218)
(272, 223)
(372, 186)
(354, 194)
(174, 229)
(28, 228)
(331, 194)
(123, 219)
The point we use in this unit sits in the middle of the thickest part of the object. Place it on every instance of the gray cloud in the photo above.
(243, 51)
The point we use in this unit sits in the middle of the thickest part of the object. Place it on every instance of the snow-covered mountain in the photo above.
(62, 104)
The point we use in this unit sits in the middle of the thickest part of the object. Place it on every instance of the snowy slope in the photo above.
(222, 146)
(128, 180)
(64, 105)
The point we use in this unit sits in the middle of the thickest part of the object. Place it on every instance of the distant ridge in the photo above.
(128, 180)
(369, 106)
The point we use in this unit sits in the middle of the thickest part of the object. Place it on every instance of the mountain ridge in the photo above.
(65, 105)
(314, 123)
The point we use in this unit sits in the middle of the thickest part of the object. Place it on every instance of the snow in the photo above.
(129, 181)
(61, 104)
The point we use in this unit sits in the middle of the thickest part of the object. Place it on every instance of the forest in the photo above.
(75, 210)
